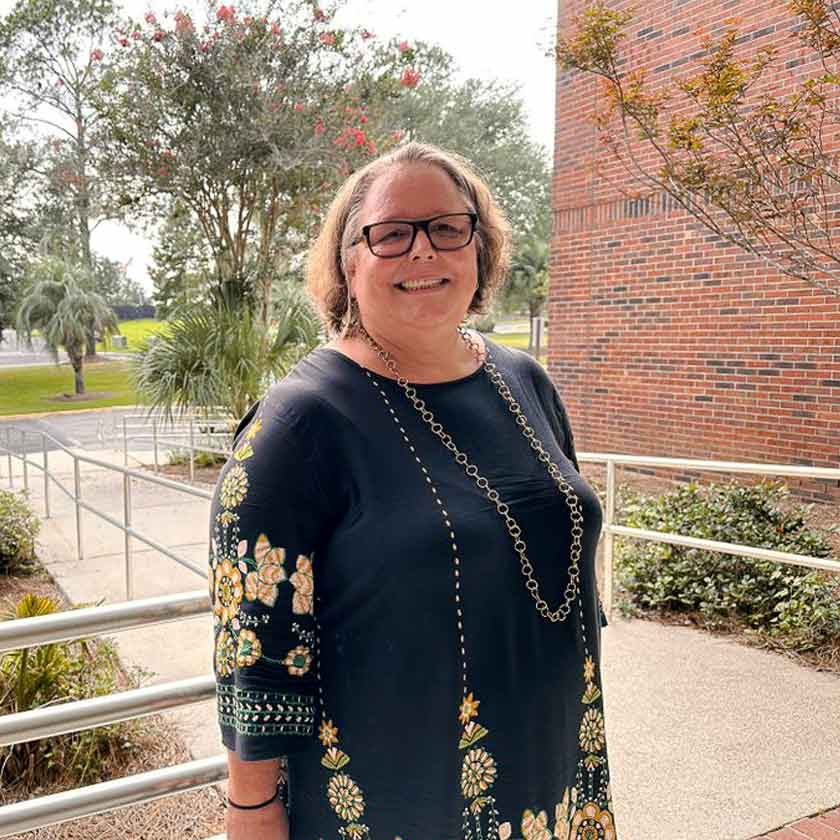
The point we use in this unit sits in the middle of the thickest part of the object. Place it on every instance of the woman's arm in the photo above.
(249, 783)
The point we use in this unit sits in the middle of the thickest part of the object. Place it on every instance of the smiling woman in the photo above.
(402, 551)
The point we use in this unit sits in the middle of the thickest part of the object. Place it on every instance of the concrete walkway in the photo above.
(709, 740)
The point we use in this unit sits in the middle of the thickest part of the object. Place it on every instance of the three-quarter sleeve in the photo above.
(267, 519)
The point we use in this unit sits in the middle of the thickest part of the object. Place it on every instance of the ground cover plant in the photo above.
(788, 607)
(18, 529)
(136, 333)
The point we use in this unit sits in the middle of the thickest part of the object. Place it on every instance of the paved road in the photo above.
(92, 430)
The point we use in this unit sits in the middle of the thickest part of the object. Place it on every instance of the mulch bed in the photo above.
(195, 815)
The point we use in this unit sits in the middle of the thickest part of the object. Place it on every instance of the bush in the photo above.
(18, 528)
(36, 677)
(179, 457)
(796, 603)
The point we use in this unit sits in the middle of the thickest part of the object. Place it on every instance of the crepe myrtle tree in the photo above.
(248, 119)
(59, 303)
(49, 56)
(754, 163)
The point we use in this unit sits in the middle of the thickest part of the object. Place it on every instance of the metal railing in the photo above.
(101, 711)
(131, 533)
(190, 434)
(85, 714)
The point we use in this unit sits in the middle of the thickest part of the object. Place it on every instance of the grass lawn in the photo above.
(34, 389)
(135, 332)
(518, 340)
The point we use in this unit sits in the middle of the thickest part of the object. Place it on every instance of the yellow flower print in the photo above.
(588, 669)
(561, 818)
(227, 517)
(505, 831)
(328, 733)
(243, 453)
(225, 653)
(535, 826)
(359, 832)
(249, 650)
(227, 591)
(478, 772)
(469, 709)
(592, 731)
(345, 797)
(234, 487)
(591, 823)
(302, 580)
(298, 660)
(254, 429)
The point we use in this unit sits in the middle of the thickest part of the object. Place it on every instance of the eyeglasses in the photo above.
(445, 233)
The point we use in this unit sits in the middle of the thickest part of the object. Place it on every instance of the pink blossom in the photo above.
(159, 35)
(136, 35)
(372, 147)
(96, 55)
(328, 39)
(320, 16)
(298, 107)
(404, 46)
(276, 29)
(183, 24)
(150, 19)
(204, 46)
(123, 42)
(363, 120)
(361, 140)
(366, 34)
(397, 136)
(319, 128)
(410, 78)
(248, 21)
(226, 13)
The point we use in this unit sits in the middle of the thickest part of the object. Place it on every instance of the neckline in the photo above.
(430, 385)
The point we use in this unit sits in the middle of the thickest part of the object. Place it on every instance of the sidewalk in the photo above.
(709, 740)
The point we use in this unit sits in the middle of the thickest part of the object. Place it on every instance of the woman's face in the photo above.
(410, 192)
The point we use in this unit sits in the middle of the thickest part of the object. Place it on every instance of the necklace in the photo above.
(561, 612)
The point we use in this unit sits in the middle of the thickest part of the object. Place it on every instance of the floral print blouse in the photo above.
(372, 623)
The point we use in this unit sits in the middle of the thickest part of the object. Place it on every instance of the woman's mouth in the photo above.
(422, 285)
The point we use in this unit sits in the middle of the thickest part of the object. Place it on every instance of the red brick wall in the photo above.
(664, 339)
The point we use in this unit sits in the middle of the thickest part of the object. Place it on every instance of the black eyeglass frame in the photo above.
(418, 224)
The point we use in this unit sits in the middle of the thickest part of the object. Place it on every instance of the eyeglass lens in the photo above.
(447, 233)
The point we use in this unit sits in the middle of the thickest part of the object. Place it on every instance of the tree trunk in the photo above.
(76, 361)
(83, 212)
(90, 344)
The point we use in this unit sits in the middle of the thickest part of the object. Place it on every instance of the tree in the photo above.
(50, 52)
(485, 121)
(59, 304)
(111, 281)
(759, 168)
(528, 279)
(218, 354)
(247, 120)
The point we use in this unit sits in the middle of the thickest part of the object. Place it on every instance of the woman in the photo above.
(402, 551)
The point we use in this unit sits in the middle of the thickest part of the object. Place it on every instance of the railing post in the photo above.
(9, 450)
(155, 439)
(608, 540)
(78, 497)
(25, 463)
(125, 443)
(46, 479)
(192, 448)
(129, 572)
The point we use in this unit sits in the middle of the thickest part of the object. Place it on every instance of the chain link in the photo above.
(485, 360)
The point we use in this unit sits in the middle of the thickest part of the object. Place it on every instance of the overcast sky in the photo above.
(488, 39)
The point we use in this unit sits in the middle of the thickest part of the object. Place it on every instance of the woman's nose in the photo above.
(422, 247)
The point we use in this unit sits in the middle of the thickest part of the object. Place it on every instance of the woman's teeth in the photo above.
(413, 285)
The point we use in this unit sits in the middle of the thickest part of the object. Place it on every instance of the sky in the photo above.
(488, 39)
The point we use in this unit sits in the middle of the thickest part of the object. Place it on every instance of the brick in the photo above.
(816, 830)
(831, 818)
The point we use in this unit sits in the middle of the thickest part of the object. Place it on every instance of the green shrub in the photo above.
(35, 677)
(178, 457)
(18, 528)
(799, 604)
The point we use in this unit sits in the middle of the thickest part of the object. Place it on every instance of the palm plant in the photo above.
(59, 304)
(221, 355)
(528, 278)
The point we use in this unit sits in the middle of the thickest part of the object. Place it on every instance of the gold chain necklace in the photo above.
(572, 587)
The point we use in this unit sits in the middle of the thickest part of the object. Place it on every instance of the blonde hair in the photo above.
(326, 265)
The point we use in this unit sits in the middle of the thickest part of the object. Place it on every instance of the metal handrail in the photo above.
(93, 621)
(80, 505)
(108, 796)
(50, 721)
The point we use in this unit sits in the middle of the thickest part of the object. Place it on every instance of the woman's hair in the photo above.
(326, 268)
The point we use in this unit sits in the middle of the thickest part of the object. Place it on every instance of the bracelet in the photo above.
(232, 804)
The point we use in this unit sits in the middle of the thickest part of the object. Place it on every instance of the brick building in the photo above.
(666, 340)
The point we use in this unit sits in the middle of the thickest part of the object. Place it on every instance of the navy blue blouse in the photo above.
(372, 621)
